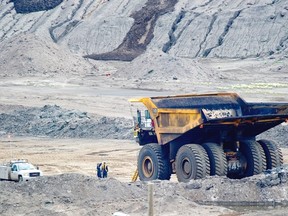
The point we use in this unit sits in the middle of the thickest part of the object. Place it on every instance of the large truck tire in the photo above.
(192, 162)
(263, 156)
(152, 163)
(273, 154)
(217, 158)
(252, 153)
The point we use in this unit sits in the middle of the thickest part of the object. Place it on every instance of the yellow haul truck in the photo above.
(206, 134)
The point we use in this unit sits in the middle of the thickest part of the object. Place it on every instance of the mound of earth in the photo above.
(79, 194)
(278, 134)
(30, 55)
(174, 68)
(56, 122)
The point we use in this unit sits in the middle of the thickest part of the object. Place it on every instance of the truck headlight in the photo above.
(25, 174)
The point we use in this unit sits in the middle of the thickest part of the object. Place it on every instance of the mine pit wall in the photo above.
(183, 29)
(141, 32)
(22, 6)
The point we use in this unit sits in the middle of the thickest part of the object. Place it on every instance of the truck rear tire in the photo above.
(263, 157)
(273, 154)
(251, 151)
(192, 162)
(153, 163)
(217, 158)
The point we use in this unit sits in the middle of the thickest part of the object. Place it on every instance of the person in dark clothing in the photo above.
(98, 170)
(104, 170)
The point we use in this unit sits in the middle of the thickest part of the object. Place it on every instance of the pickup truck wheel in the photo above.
(252, 153)
(152, 163)
(192, 162)
(217, 158)
(20, 178)
(273, 154)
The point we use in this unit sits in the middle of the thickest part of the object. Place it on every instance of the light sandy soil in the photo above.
(57, 156)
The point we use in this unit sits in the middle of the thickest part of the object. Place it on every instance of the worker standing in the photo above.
(104, 170)
(98, 170)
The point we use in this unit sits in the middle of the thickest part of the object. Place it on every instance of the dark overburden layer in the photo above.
(28, 6)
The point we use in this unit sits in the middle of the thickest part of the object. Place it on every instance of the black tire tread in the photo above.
(217, 158)
(164, 172)
(201, 159)
(254, 162)
(274, 157)
(263, 156)
(205, 163)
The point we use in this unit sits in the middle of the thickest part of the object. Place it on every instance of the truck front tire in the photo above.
(153, 163)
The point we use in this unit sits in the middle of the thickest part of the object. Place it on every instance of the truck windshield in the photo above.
(26, 166)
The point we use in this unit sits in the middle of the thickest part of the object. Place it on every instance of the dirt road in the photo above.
(58, 156)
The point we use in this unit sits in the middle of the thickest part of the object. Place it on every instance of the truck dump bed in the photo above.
(191, 117)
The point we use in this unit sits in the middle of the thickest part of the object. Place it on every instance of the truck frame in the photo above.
(197, 135)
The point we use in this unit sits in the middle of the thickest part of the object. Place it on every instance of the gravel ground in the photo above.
(55, 122)
(76, 194)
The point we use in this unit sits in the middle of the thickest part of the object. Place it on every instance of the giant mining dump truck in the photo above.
(205, 134)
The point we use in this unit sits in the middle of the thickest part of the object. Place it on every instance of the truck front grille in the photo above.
(35, 174)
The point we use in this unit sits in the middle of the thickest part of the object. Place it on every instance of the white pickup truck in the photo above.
(18, 170)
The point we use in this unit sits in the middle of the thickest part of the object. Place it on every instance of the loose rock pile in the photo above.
(56, 122)
(274, 177)
(79, 194)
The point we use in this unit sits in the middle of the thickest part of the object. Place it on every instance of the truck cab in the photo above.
(144, 131)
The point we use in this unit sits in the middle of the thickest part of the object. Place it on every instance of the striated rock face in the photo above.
(230, 29)
(25, 6)
(123, 30)
(141, 32)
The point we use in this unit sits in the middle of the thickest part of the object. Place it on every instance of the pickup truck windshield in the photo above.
(26, 166)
